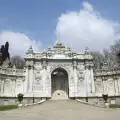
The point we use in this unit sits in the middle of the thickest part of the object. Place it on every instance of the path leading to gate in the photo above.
(61, 110)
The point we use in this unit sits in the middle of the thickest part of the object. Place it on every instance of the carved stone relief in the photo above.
(99, 85)
(38, 77)
(59, 65)
(18, 83)
(80, 67)
(71, 79)
(29, 63)
(110, 86)
(44, 64)
(7, 86)
(80, 75)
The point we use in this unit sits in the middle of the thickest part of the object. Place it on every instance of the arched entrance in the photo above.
(59, 80)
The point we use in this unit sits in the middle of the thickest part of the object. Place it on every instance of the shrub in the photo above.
(114, 106)
(8, 107)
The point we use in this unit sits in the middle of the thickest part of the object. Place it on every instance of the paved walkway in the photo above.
(61, 110)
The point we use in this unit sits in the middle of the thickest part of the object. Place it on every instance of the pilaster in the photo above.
(13, 86)
(105, 91)
(75, 76)
(116, 85)
(44, 76)
(26, 79)
(88, 79)
(30, 78)
(2, 85)
(92, 80)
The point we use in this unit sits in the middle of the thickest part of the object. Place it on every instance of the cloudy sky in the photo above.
(78, 23)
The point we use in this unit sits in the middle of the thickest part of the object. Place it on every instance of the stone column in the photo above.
(92, 80)
(44, 76)
(88, 79)
(75, 83)
(30, 79)
(26, 80)
(104, 85)
(13, 86)
(116, 85)
(2, 86)
(75, 76)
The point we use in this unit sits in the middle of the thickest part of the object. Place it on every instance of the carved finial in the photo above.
(87, 50)
(30, 50)
(14, 67)
(49, 47)
(105, 66)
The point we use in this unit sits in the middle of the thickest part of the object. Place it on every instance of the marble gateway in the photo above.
(58, 73)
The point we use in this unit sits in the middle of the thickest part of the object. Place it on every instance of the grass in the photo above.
(114, 106)
(8, 107)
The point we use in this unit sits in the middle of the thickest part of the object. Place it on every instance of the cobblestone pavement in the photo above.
(61, 110)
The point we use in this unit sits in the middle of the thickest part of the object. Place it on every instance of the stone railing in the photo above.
(107, 73)
(12, 71)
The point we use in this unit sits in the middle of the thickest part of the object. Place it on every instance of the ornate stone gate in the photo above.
(60, 85)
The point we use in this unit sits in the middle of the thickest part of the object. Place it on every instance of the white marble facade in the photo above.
(36, 78)
(57, 73)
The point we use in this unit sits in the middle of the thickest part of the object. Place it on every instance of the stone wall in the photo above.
(12, 82)
(107, 82)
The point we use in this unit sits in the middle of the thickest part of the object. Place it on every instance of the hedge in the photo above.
(8, 107)
(114, 106)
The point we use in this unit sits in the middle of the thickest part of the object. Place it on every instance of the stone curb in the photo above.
(92, 104)
(26, 105)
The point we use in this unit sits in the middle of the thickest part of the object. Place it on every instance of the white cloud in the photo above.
(87, 28)
(19, 42)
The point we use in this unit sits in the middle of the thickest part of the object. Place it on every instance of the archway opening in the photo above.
(60, 85)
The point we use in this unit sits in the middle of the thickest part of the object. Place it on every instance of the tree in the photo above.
(98, 59)
(116, 50)
(4, 53)
(18, 62)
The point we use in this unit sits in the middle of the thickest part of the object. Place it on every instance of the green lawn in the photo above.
(114, 106)
(8, 107)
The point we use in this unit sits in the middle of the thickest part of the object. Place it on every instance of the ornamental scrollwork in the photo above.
(44, 64)
(110, 82)
(29, 63)
(37, 77)
(18, 83)
(80, 67)
(64, 66)
(80, 75)
(38, 80)
(99, 85)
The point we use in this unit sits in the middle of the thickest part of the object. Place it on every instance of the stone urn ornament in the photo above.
(20, 99)
(105, 97)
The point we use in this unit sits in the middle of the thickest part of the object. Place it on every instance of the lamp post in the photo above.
(33, 98)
